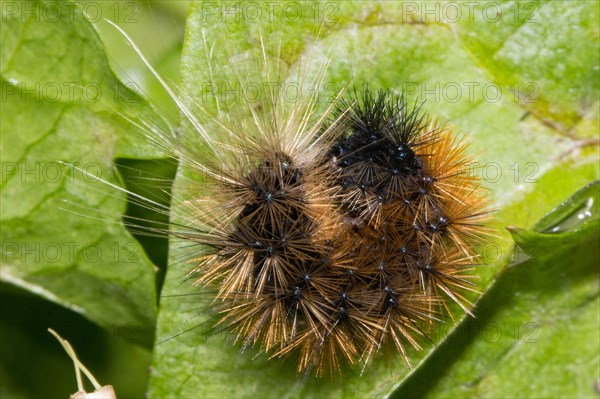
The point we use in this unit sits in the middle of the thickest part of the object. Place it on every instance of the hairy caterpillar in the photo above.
(325, 233)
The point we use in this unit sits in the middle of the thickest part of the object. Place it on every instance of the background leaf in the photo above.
(541, 314)
(62, 103)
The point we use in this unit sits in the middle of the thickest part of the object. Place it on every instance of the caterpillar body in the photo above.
(326, 234)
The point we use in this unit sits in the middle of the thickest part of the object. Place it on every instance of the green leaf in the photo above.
(539, 315)
(62, 234)
(530, 48)
(527, 163)
(157, 28)
(112, 356)
(60, 101)
(566, 226)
